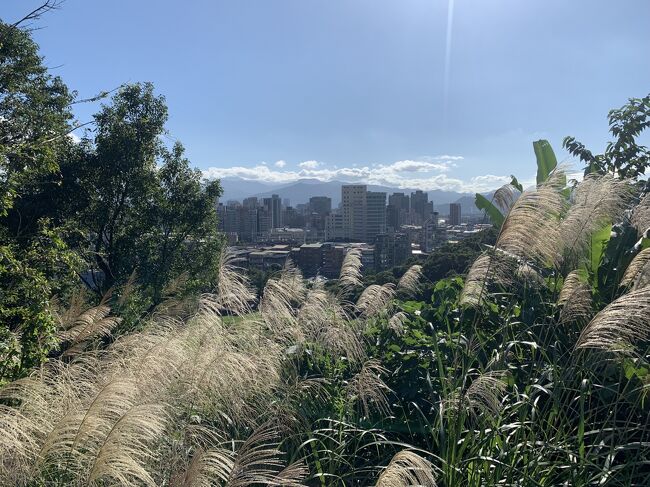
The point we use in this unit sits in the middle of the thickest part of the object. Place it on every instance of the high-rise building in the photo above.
(454, 214)
(250, 202)
(228, 218)
(320, 204)
(263, 222)
(399, 200)
(247, 225)
(397, 211)
(392, 218)
(353, 198)
(274, 206)
(291, 218)
(375, 215)
(421, 207)
(334, 228)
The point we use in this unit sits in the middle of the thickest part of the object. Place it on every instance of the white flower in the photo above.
(418, 312)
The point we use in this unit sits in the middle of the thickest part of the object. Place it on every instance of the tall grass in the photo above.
(534, 372)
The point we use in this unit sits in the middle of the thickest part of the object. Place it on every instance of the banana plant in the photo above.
(497, 207)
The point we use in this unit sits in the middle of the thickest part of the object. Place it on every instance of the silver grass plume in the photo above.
(279, 299)
(276, 308)
(641, 215)
(257, 462)
(410, 281)
(396, 322)
(350, 275)
(325, 323)
(620, 325)
(407, 469)
(482, 398)
(77, 304)
(505, 197)
(477, 280)
(368, 390)
(92, 323)
(528, 275)
(637, 273)
(596, 201)
(375, 299)
(208, 467)
(128, 446)
(530, 231)
(233, 292)
(575, 299)
(485, 392)
(490, 267)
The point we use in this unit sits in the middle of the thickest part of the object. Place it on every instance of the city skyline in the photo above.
(363, 215)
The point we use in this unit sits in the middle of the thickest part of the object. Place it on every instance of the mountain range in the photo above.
(301, 190)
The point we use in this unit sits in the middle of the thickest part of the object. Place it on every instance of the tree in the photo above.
(34, 115)
(183, 218)
(35, 262)
(145, 210)
(454, 259)
(119, 178)
(623, 156)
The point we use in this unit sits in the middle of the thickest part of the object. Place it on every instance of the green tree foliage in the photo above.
(455, 259)
(34, 115)
(118, 204)
(182, 238)
(35, 262)
(140, 206)
(623, 156)
(118, 177)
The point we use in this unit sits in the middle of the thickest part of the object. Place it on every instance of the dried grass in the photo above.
(410, 281)
(641, 215)
(350, 275)
(407, 469)
(375, 299)
(530, 231)
(621, 325)
(505, 197)
(489, 268)
(368, 390)
(481, 399)
(233, 293)
(575, 299)
(596, 201)
(637, 273)
(396, 322)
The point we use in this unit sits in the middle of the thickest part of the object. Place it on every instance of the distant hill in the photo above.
(238, 189)
(302, 190)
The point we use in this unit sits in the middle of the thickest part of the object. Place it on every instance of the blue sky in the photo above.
(354, 89)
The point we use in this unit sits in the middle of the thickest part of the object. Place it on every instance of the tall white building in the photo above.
(353, 198)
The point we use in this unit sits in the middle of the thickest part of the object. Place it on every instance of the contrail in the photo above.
(450, 22)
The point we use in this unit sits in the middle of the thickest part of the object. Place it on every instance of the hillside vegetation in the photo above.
(134, 351)
(532, 371)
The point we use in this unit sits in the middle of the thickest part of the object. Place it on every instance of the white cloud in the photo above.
(280, 164)
(446, 157)
(418, 166)
(309, 164)
(426, 174)
(75, 138)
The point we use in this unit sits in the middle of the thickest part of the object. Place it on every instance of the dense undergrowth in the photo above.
(531, 371)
